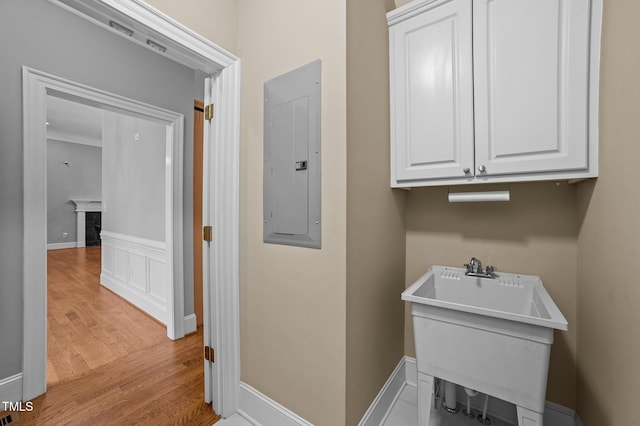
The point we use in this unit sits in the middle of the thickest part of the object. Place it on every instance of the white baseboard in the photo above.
(406, 373)
(190, 324)
(379, 409)
(260, 410)
(58, 246)
(11, 388)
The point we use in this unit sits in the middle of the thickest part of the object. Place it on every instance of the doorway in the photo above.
(94, 158)
(221, 270)
(40, 86)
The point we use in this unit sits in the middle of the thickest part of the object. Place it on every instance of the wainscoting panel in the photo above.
(157, 276)
(135, 269)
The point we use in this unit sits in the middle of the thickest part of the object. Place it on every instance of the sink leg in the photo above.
(425, 398)
(528, 417)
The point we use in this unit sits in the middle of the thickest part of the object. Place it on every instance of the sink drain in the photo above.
(485, 421)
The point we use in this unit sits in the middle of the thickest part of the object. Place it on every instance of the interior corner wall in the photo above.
(375, 213)
(608, 244)
(40, 35)
(215, 20)
(535, 233)
(293, 298)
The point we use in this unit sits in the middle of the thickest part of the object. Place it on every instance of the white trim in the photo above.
(136, 269)
(141, 243)
(183, 45)
(190, 323)
(11, 388)
(386, 398)
(261, 410)
(221, 209)
(59, 246)
(37, 85)
(411, 370)
(199, 53)
(405, 374)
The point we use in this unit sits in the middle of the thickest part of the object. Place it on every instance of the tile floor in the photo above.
(403, 413)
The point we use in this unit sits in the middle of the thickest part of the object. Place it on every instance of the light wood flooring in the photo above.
(108, 362)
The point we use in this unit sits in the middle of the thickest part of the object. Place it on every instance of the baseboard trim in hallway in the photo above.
(190, 324)
(258, 409)
(11, 388)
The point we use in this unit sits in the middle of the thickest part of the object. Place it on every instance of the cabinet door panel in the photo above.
(531, 80)
(432, 93)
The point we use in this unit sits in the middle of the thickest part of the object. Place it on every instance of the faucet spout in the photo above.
(474, 269)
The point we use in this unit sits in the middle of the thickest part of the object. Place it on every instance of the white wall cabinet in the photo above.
(493, 90)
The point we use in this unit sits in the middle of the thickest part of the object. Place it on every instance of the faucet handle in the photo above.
(474, 266)
(490, 270)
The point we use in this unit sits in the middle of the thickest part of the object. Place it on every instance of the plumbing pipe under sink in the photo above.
(450, 403)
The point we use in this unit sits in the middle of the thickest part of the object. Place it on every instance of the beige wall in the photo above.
(609, 239)
(294, 299)
(535, 233)
(375, 216)
(215, 20)
(312, 321)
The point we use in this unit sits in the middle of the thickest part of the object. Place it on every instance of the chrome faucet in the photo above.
(474, 269)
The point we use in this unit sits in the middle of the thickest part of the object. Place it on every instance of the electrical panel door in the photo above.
(292, 157)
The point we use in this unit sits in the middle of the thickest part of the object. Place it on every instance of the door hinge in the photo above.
(208, 353)
(207, 233)
(208, 112)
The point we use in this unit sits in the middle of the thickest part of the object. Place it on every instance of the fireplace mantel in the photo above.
(84, 205)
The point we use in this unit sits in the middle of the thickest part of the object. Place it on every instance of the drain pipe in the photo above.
(450, 403)
(484, 419)
(470, 394)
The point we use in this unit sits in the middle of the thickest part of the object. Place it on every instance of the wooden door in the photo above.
(198, 129)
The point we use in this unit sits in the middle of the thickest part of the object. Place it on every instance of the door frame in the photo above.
(222, 186)
(37, 85)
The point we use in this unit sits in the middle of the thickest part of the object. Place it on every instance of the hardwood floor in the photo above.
(88, 325)
(109, 363)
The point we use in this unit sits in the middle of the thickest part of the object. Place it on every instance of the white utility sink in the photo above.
(493, 335)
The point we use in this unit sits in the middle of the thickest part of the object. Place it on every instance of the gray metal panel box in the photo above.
(292, 157)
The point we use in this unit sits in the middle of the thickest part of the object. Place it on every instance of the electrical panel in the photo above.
(292, 158)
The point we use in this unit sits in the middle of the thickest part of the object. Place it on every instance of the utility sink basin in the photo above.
(493, 335)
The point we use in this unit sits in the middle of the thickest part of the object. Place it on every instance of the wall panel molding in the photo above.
(136, 269)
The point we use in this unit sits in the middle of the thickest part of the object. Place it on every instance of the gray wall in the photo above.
(38, 34)
(80, 178)
(133, 188)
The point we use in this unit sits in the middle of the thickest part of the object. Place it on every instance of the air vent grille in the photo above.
(8, 419)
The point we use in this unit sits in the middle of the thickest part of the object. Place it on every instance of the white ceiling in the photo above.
(73, 122)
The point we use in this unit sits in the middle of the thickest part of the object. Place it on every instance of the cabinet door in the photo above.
(531, 62)
(432, 94)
